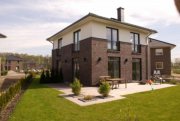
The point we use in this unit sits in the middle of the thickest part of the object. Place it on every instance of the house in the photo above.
(95, 46)
(160, 53)
(1, 36)
(13, 63)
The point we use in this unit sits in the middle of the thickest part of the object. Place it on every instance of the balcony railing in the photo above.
(114, 45)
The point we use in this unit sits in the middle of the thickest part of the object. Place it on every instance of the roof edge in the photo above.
(105, 18)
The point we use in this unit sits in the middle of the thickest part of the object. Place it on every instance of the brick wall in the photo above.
(92, 50)
(165, 58)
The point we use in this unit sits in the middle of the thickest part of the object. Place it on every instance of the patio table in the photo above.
(115, 82)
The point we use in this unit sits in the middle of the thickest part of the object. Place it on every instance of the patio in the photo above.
(115, 94)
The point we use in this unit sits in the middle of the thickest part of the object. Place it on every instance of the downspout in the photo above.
(148, 54)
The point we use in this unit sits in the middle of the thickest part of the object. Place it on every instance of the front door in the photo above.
(136, 69)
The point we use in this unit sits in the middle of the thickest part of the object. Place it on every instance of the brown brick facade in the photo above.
(165, 58)
(93, 56)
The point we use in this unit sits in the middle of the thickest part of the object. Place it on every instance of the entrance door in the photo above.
(136, 69)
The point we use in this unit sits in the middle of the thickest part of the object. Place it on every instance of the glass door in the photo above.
(136, 69)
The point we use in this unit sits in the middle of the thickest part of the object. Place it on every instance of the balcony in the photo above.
(136, 49)
(113, 45)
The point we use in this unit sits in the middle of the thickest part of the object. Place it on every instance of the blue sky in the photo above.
(27, 23)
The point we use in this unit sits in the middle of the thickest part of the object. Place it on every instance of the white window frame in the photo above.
(157, 52)
(162, 65)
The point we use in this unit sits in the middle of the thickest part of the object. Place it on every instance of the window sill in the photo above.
(113, 51)
(136, 53)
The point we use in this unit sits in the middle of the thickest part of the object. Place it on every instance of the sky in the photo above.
(28, 23)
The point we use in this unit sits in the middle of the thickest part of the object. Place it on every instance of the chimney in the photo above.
(120, 14)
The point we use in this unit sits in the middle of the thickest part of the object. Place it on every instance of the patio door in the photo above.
(136, 69)
(114, 67)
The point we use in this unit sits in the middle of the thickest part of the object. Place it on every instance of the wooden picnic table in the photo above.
(114, 82)
(104, 77)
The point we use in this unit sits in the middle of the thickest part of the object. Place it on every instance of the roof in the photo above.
(2, 36)
(154, 43)
(13, 58)
(93, 16)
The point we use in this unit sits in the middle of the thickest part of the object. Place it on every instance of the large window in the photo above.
(136, 48)
(76, 68)
(159, 51)
(59, 43)
(76, 40)
(114, 67)
(136, 69)
(112, 37)
(159, 65)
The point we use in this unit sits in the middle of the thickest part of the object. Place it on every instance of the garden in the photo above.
(42, 103)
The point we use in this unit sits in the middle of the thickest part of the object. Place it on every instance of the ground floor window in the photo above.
(114, 67)
(76, 68)
(159, 65)
(136, 69)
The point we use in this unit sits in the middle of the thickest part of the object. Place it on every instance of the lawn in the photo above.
(40, 103)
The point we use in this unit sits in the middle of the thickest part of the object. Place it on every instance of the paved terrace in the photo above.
(115, 93)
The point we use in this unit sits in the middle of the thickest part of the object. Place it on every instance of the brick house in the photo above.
(1, 36)
(13, 63)
(94, 46)
(160, 53)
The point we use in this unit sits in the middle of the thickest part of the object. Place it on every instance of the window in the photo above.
(136, 69)
(76, 68)
(59, 43)
(76, 40)
(112, 37)
(136, 48)
(114, 67)
(159, 65)
(159, 51)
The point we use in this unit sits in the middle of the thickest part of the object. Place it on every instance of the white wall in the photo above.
(97, 29)
(86, 32)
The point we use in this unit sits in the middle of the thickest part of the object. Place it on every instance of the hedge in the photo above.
(14, 89)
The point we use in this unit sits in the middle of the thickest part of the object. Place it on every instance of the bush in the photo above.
(176, 71)
(47, 76)
(43, 77)
(104, 89)
(172, 81)
(8, 94)
(76, 86)
(4, 73)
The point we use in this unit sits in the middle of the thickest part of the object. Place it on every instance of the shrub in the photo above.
(47, 76)
(176, 71)
(76, 86)
(43, 77)
(4, 73)
(172, 81)
(8, 94)
(88, 97)
(104, 89)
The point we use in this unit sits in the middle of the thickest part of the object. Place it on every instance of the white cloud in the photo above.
(33, 21)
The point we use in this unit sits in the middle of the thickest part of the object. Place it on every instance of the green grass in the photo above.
(40, 103)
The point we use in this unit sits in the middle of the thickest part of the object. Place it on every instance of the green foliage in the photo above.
(43, 77)
(104, 89)
(8, 94)
(128, 113)
(3, 73)
(173, 81)
(42, 103)
(176, 71)
(76, 86)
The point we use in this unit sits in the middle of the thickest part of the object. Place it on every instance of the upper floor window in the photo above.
(112, 37)
(59, 43)
(135, 42)
(76, 40)
(158, 51)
